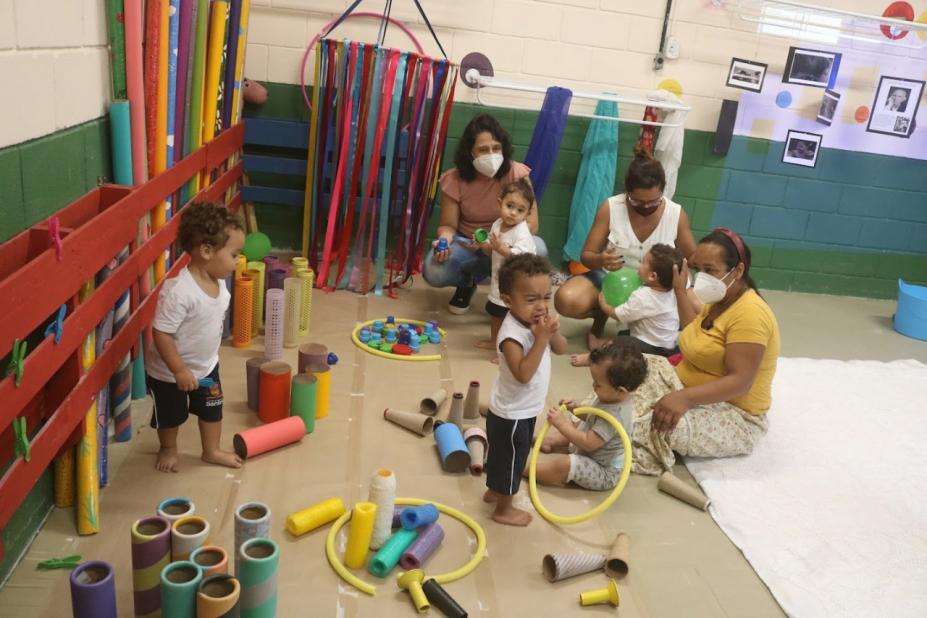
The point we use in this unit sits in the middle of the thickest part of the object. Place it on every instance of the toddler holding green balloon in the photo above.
(649, 311)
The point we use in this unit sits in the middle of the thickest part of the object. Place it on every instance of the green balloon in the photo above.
(618, 285)
(257, 245)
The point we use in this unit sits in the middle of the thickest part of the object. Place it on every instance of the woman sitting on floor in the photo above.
(714, 403)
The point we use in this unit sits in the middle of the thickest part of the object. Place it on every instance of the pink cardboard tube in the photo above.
(267, 437)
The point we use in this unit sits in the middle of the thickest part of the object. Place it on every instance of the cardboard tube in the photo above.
(218, 597)
(292, 291)
(307, 277)
(670, 484)
(312, 354)
(273, 324)
(275, 277)
(439, 597)
(259, 560)
(477, 442)
(308, 519)
(188, 533)
(179, 582)
(616, 566)
(419, 423)
(429, 539)
(252, 521)
(253, 375)
(432, 403)
(363, 516)
(274, 391)
(256, 272)
(217, 30)
(64, 479)
(472, 402)
(455, 415)
(257, 440)
(135, 87)
(303, 393)
(454, 454)
(212, 560)
(323, 374)
(151, 552)
(557, 567)
(176, 508)
(383, 494)
(93, 590)
(386, 559)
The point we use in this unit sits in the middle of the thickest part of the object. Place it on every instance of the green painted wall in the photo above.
(851, 226)
(38, 178)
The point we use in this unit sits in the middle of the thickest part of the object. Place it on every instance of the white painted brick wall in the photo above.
(53, 58)
(597, 45)
(52, 52)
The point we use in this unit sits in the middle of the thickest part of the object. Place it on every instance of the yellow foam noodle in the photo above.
(240, 60)
(323, 391)
(217, 20)
(159, 214)
(362, 517)
(317, 515)
(64, 479)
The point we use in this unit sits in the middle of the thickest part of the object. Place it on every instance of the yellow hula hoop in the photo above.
(622, 481)
(414, 357)
(443, 578)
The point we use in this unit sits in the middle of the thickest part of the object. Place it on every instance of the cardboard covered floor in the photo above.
(681, 563)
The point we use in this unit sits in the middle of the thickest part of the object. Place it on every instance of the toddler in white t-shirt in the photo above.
(182, 367)
(508, 236)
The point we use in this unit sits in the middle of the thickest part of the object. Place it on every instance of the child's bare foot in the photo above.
(512, 517)
(593, 341)
(167, 459)
(490, 496)
(222, 458)
(579, 360)
(485, 344)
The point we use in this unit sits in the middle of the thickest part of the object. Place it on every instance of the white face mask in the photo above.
(488, 164)
(709, 289)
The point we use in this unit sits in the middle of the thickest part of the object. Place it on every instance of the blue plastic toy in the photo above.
(364, 335)
(442, 245)
(332, 358)
(391, 336)
(434, 338)
(391, 319)
(378, 326)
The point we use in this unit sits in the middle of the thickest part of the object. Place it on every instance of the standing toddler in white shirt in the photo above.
(509, 235)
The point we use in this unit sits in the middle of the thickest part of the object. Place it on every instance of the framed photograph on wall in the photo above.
(811, 67)
(801, 148)
(895, 106)
(828, 107)
(746, 75)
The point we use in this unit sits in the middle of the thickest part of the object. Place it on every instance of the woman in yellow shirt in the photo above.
(714, 404)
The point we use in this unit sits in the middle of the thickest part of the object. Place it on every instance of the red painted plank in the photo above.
(21, 476)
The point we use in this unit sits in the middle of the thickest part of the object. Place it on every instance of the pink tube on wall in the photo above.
(429, 538)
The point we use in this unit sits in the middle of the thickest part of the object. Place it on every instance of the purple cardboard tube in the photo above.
(93, 590)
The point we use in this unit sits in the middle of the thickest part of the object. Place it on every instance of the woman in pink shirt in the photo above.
(470, 195)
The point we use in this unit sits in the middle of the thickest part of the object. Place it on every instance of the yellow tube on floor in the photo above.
(323, 375)
(317, 515)
(362, 518)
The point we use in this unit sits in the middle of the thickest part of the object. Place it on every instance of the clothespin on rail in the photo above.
(17, 357)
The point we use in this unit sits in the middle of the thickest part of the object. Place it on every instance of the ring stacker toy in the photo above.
(443, 578)
(619, 487)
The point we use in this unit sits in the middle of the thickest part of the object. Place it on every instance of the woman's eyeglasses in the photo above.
(633, 203)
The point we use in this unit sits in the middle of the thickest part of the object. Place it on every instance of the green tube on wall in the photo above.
(121, 133)
(388, 557)
(257, 574)
(179, 582)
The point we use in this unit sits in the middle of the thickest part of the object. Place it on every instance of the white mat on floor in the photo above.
(831, 507)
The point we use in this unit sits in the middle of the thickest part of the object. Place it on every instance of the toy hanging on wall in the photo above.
(378, 124)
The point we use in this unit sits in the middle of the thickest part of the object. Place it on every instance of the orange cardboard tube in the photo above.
(257, 440)
(274, 392)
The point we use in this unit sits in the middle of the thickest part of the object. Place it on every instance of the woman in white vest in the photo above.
(625, 228)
